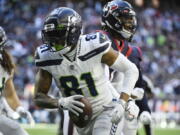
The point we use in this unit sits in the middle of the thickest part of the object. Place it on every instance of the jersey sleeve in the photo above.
(42, 57)
(97, 44)
(137, 52)
(104, 41)
(136, 58)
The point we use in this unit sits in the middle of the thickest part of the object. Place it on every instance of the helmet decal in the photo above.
(114, 6)
(49, 27)
(119, 18)
(62, 28)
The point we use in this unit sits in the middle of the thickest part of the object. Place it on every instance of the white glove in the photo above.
(138, 93)
(8, 111)
(72, 104)
(131, 110)
(145, 117)
(117, 113)
(26, 114)
(13, 115)
(118, 109)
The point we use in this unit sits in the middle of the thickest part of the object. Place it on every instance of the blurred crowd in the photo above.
(158, 35)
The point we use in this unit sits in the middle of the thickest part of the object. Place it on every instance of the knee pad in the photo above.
(145, 117)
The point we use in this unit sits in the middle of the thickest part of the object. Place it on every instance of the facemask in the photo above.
(61, 49)
(126, 34)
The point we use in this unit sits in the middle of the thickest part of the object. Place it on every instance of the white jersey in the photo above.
(86, 75)
(4, 76)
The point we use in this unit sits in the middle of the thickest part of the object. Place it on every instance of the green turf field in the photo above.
(44, 129)
(161, 131)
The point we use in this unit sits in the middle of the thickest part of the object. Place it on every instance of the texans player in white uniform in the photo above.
(77, 63)
(7, 91)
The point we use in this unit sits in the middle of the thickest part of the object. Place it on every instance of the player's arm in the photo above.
(14, 102)
(42, 86)
(139, 82)
(119, 62)
(10, 94)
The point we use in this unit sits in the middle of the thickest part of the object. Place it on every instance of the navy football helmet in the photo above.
(62, 28)
(119, 18)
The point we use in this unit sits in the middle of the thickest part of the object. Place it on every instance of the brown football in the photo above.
(83, 119)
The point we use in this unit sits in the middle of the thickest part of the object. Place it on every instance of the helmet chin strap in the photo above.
(73, 53)
(126, 34)
(64, 50)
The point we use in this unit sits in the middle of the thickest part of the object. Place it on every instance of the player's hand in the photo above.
(138, 93)
(117, 113)
(118, 109)
(72, 104)
(131, 110)
(26, 114)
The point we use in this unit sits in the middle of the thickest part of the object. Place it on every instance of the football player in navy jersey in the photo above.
(119, 23)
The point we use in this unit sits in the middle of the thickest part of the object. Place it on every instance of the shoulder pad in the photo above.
(36, 55)
(45, 57)
(96, 39)
(41, 52)
(103, 34)
(103, 37)
(94, 44)
(137, 52)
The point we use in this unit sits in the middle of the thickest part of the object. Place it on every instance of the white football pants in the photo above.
(10, 127)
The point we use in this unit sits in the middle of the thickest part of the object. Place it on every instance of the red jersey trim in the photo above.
(129, 51)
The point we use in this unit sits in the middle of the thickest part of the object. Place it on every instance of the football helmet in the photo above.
(61, 30)
(3, 38)
(119, 19)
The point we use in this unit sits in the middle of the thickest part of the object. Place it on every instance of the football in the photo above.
(83, 119)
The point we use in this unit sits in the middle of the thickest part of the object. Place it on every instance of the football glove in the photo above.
(118, 108)
(131, 110)
(72, 104)
(26, 114)
(138, 93)
(8, 111)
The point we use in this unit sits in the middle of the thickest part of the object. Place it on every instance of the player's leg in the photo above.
(66, 123)
(130, 127)
(10, 127)
(104, 126)
(61, 122)
(143, 106)
(66, 126)
(101, 125)
(148, 129)
(87, 130)
(75, 132)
